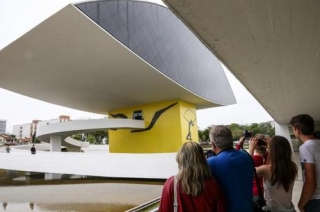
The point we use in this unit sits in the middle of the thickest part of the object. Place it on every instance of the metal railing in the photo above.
(150, 206)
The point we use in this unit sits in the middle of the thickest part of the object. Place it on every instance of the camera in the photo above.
(209, 153)
(247, 134)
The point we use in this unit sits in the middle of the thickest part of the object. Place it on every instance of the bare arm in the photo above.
(264, 171)
(240, 144)
(309, 185)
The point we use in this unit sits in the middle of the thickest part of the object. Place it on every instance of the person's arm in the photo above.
(309, 185)
(263, 171)
(240, 143)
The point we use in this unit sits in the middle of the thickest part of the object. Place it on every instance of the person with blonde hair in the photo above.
(196, 189)
(278, 174)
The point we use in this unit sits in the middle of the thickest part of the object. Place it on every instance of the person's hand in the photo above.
(253, 142)
(267, 140)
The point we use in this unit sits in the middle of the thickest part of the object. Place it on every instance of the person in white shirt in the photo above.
(303, 129)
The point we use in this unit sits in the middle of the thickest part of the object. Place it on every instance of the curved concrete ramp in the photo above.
(65, 129)
(149, 166)
(75, 142)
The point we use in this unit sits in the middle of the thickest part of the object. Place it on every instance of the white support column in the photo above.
(55, 143)
(283, 130)
(55, 146)
(11, 174)
(52, 176)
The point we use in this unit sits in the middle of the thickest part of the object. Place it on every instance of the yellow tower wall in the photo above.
(169, 131)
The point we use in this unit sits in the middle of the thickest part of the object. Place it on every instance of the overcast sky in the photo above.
(19, 16)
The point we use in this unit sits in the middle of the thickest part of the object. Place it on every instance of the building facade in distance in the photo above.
(3, 126)
(25, 132)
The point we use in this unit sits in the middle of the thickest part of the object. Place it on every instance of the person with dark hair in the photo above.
(196, 189)
(33, 149)
(233, 170)
(303, 129)
(278, 175)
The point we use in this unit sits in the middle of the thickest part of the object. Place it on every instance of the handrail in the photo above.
(145, 206)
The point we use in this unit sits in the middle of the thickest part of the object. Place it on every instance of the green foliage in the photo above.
(77, 136)
(12, 136)
(204, 135)
(237, 130)
(99, 135)
(92, 137)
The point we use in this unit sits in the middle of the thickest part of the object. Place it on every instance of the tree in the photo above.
(92, 137)
(267, 128)
(77, 136)
(204, 135)
(237, 130)
(99, 135)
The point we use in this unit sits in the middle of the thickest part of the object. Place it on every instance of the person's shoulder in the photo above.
(242, 153)
(310, 144)
(214, 159)
(169, 181)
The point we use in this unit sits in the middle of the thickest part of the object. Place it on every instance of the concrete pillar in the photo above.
(55, 146)
(52, 176)
(11, 174)
(283, 130)
(55, 143)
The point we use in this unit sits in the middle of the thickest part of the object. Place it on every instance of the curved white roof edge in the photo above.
(272, 47)
(65, 129)
(69, 60)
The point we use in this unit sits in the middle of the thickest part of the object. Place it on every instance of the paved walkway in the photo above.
(298, 183)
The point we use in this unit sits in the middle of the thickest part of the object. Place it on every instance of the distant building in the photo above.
(3, 126)
(5, 138)
(24, 132)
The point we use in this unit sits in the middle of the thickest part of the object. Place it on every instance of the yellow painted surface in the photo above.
(168, 133)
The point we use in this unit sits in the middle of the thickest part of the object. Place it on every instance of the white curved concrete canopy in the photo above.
(65, 129)
(272, 47)
(86, 68)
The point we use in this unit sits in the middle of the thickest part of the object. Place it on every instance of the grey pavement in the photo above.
(298, 183)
